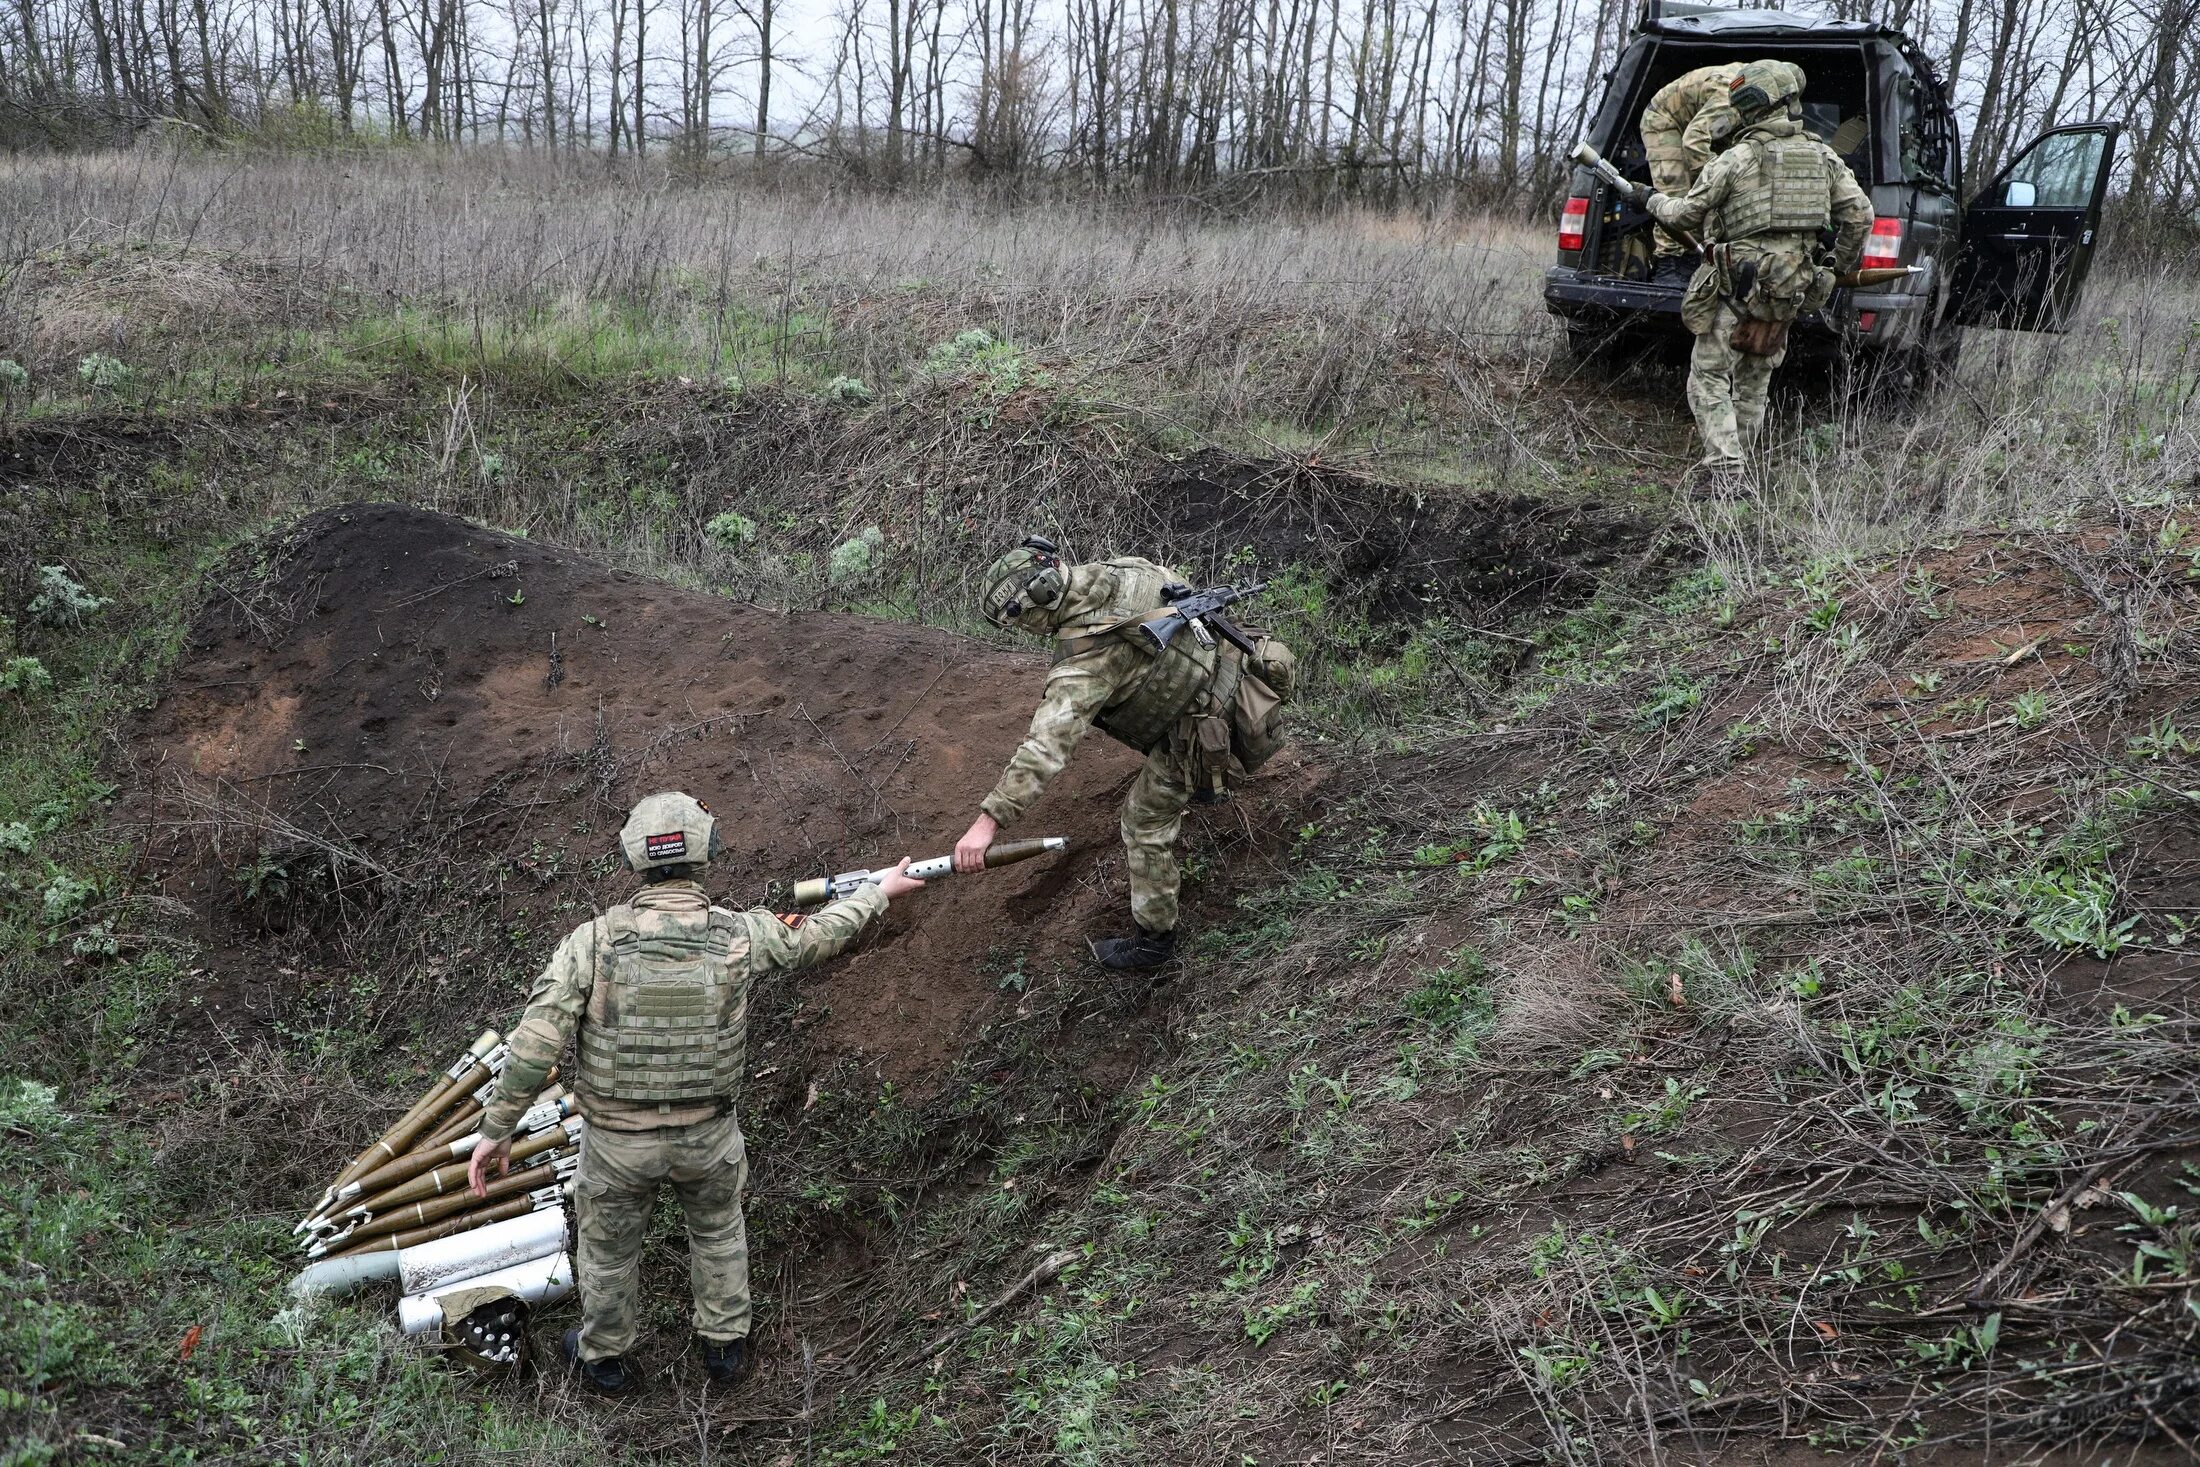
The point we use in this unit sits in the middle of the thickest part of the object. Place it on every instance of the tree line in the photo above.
(1380, 100)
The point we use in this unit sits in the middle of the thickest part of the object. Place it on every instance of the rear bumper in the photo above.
(1594, 299)
(1597, 303)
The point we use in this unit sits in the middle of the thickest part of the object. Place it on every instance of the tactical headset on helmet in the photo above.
(669, 830)
(1030, 575)
(1766, 87)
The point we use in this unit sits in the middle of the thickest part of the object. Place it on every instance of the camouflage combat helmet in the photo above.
(1030, 576)
(1767, 89)
(669, 830)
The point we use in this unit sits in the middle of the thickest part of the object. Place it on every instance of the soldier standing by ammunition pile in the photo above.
(1685, 119)
(1156, 666)
(1760, 206)
(658, 990)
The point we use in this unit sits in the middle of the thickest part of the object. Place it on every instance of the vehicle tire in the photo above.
(1941, 357)
(1914, 373)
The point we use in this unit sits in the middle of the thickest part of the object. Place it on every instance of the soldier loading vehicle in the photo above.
(2014, 256)
(1757, 213)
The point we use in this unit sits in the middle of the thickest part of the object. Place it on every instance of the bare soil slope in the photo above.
(405, 711)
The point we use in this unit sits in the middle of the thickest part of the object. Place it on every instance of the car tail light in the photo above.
(1573, 223)
(1865, 321)
(1884, 248)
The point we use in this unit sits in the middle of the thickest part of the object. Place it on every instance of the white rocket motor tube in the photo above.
(538, 1281)
(433, 1267)
(336, 1277)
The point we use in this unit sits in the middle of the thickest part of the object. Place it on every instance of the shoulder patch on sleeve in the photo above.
(792, 921)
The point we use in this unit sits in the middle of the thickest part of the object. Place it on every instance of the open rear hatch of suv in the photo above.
(1613, 239)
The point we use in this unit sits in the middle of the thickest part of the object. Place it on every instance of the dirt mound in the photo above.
(1400, 553)
(402, 744)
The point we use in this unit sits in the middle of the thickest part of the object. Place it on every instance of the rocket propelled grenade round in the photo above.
(480, 1060)
(1598, 164)
(822, 889)
(1877, 275)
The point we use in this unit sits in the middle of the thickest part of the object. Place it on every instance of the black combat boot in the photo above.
(606, 1377)
(1127, 954)
(723, 1360)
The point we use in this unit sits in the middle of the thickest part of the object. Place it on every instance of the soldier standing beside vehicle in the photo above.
(658, 990)
(1760, 207)
(1200, 709)
(1680, 128)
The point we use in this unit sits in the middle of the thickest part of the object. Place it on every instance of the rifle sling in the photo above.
(1067, 647)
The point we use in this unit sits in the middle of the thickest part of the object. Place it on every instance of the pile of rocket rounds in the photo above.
(402, 1212)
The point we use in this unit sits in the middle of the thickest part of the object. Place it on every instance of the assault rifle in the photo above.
(821, 889)
(1200, 610)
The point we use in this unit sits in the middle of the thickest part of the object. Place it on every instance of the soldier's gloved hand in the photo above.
(894, 884)
(970, 850)
(494, 1158)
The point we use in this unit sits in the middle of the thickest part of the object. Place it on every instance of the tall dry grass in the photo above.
(859, 282)
(1418, 347)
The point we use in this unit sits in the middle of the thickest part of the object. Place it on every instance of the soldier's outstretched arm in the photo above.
(787, 943)
(1076, 691)
(1688, 212)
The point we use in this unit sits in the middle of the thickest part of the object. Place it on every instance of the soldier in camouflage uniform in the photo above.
(1760, 207)
(658, 993)
(1681, 127)
(1170, 706)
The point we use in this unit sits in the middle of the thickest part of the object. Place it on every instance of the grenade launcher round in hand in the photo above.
(821, 889)
(1596, 163)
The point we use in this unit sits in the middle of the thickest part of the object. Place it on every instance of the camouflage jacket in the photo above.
(1076, 690)
(558, 1002)
(1691, 106)
(1772, 168)
(1098, 594)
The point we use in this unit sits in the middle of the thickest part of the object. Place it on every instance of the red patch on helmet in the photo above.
(668, 846)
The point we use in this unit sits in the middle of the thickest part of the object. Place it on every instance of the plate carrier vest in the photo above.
(1176, 677)
(668, 1018)
(1785, 193)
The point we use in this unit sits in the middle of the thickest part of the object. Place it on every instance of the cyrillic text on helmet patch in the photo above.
(666, 846)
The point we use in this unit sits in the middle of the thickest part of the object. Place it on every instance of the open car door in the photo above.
(2028, 238)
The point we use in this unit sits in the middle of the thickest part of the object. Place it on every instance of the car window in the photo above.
(1906, 125)
(2057, 172)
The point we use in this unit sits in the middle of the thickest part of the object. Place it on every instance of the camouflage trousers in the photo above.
(1673, 171)
(614, 1193)
(1153, 817)
(1727, 391)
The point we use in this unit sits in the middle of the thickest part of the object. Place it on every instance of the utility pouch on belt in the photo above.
(1760, 338)
(1269, 678)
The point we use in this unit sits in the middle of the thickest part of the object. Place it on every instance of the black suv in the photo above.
(2015, 256)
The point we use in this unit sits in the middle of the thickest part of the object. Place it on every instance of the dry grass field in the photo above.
(1710, 983)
